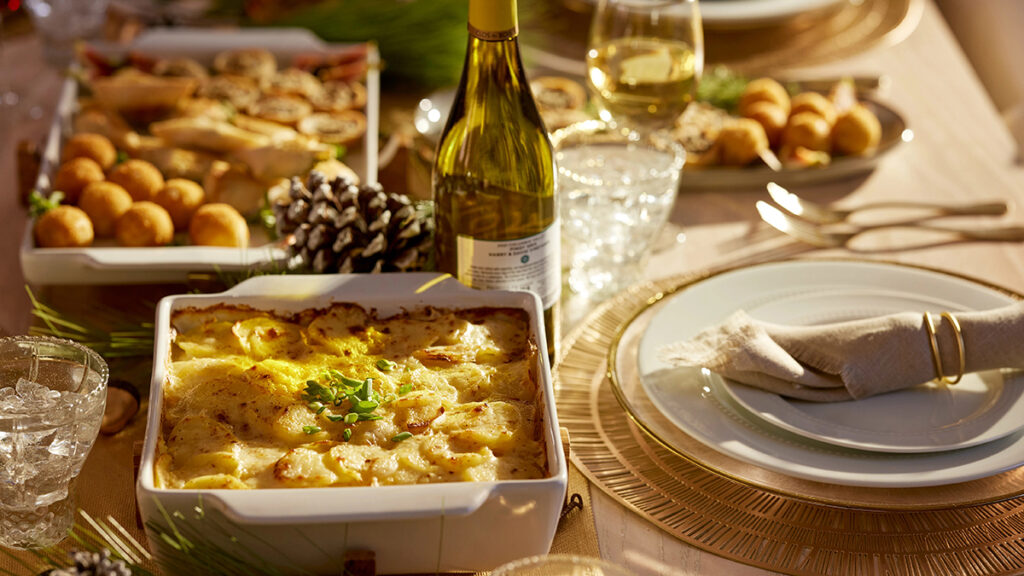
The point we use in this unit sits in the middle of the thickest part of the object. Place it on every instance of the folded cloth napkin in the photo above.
(851, 360)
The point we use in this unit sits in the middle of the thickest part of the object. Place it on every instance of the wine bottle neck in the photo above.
(493, 20)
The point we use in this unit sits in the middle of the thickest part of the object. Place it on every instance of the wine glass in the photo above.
(644, 60)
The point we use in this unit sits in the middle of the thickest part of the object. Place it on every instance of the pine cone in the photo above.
(336, 226)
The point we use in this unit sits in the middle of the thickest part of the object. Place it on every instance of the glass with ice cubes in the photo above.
(52, 396)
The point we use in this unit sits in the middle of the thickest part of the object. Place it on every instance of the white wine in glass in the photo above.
(644, 60)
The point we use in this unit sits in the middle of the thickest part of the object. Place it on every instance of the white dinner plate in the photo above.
(980, 408)
(696, 402)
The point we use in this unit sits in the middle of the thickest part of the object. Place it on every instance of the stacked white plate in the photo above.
(928, 435)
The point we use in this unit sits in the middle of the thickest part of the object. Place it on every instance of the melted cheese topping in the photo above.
(463, 387)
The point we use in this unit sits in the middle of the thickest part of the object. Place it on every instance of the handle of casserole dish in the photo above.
(349, 504)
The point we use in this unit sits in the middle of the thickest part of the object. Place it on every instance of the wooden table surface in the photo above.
(961, 151)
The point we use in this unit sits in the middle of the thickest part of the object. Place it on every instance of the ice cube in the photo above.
(35, 396)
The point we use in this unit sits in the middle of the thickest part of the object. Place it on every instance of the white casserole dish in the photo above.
(107, 263)
(424, 528)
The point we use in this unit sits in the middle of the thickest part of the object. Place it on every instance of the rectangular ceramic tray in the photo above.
(106, 263)
(423, 528)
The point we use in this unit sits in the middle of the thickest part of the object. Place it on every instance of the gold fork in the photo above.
(821, 214)
(818, 236)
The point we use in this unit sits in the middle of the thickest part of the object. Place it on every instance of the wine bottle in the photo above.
(494, 173)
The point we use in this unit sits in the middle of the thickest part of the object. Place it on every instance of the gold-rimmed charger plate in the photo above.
(764, 518)
(813, 38)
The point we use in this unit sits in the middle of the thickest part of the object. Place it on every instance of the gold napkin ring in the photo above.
(940, 376)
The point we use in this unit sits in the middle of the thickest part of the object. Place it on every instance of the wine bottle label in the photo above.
(532, 263)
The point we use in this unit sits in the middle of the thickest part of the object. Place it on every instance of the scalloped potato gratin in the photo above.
(339, 397)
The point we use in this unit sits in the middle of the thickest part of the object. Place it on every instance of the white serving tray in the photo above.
(107, 263)
(423, 528)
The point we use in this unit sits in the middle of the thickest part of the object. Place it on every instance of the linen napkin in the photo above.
(854, 359)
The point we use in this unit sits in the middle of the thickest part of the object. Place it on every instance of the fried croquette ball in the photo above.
(809, 130)
(104, 202)
(74, 175)
(218, 224)
(140, 178)
(180, 198)
(856, 131)
(94, 146)
(771, 117)
(740, 141)
(63, 227)
(764, 90)
(813, 102)
(144, 224)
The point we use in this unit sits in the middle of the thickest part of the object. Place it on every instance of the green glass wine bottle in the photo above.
(494, 173)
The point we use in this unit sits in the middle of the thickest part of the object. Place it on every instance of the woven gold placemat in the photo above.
(750, 523)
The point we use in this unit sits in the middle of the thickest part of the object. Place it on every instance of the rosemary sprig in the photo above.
(122, 342)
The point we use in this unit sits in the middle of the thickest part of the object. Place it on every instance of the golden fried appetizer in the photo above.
(108, 123)
(249, 62)
(144, 224)
(203, 108)
(206, 134)
(218, 225)
(856, 131)
(180, 67)
(813, 102)
(741, 141)
(339, 128)
(140, 178)
(283, 159)
(134, 92)
(276, 132)
(234, 185)
(281, 109)
(338, 95)
(94, 146)
(74, 175)
(174, 162)
(181, 198)
(63, 227)
(771, 117)
(761, 90)
(104, 202)
(293, 82)
(238, 91)
(809, 130)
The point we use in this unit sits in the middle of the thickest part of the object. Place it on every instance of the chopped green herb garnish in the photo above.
(39, 204)
(338, 389)
(385, 365)
(404, 389)
(402, 436)
(347, 434)
(310, 429)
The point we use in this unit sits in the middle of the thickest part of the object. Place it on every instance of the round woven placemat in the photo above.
(755, 524)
